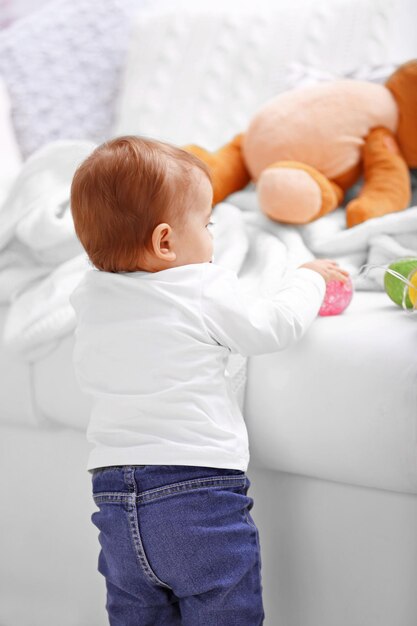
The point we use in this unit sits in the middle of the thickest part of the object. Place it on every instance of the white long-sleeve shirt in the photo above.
(151, 349)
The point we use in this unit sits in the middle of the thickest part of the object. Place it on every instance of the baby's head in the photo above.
(141, 204)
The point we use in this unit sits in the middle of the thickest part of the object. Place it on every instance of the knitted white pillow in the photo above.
(62, 65)
(10, 158)
(197, 77)
(300, 75)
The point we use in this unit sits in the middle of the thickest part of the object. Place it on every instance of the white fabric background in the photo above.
(197, 77)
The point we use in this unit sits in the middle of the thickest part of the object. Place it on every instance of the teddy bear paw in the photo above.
(365, 208)
(289, 195)
(357, 211)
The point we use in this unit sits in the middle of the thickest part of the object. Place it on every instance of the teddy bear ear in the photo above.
(403, 86)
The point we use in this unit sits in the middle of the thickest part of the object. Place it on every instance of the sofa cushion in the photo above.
(341, 404)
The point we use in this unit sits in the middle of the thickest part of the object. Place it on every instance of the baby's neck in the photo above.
(153, 265)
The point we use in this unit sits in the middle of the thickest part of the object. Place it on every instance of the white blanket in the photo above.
(41, 259)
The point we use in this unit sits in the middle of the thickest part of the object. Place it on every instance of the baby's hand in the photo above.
(328, 269)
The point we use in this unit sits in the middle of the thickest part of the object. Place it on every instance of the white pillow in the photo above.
(198, 76)
(62, 65)
(300, 75)
(10, 158)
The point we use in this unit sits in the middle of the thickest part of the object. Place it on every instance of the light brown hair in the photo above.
(122, 191)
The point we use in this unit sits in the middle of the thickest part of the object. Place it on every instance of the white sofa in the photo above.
(334, 490)
(332, 426)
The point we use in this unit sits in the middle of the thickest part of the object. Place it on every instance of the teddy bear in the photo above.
(305, 148)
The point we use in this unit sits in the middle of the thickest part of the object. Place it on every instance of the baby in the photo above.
(156, 321)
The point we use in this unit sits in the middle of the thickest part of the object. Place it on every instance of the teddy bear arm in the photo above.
(387, 186)
(403, 86)
(227, 167)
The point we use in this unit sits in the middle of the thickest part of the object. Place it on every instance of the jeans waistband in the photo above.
(122, 481)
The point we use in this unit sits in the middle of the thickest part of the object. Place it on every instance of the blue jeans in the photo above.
(178, 546)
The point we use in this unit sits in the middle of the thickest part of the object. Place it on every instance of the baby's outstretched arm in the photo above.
(264, 324)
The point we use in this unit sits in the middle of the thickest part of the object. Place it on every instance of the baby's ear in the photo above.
(162, 242)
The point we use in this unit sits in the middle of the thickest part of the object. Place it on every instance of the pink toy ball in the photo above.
(337, 297)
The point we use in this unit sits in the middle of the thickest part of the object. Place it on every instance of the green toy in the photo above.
(394, 286)
(400, 281)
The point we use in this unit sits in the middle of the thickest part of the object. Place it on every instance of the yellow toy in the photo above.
(412, 289)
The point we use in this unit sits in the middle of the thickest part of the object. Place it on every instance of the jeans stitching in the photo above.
(153, 494)
(112, 497)
(188, 485)
(132, 515)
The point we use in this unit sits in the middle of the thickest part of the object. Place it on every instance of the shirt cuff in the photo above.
(314, 276)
